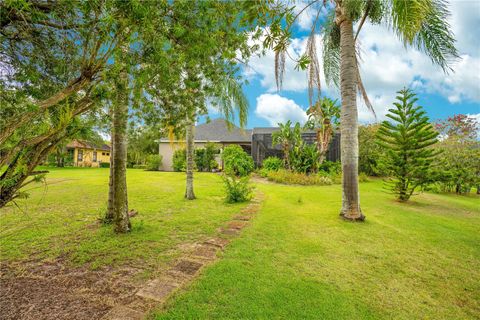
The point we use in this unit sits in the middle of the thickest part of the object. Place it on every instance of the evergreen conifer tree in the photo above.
(407, 139)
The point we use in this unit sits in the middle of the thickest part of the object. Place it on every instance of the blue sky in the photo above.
(386, 66)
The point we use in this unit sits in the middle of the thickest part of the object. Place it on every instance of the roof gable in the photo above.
(218, 131)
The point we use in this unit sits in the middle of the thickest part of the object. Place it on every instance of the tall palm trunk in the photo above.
(120, 118)
(348, 118)
(189, 194)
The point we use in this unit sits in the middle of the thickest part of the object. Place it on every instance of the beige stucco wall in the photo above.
(166, 150)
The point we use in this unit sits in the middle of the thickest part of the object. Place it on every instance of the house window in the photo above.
(94, 156)
(80, 155)
(103, 153)
(108, 154)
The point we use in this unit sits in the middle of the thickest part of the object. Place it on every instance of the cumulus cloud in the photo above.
(387, 66)
(277, 109)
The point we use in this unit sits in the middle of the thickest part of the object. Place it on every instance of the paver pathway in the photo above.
(185, 269)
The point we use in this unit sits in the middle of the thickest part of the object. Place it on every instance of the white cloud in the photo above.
(464, 20)
(477, 119)
(387, 66)
(277, 109)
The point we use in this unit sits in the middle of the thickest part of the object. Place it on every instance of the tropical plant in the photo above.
(408, 140)
(323, 117)
(272, 164)
(287, 137)
(237, 190)
(305, 158)
(421, 24)
(236, 161)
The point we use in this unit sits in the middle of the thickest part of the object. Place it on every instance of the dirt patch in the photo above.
(205, 252)
(40, 290)
(188, 267)
(217, 242)
(239, 225)
(242, 217)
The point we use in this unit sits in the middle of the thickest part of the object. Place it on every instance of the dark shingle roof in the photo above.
(217, 131)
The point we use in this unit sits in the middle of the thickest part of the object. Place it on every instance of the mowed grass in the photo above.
(296, 260)
(299, 260)
(61, 220)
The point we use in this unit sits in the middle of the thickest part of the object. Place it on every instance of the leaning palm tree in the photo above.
(228, 98)
(418, 23)
(323, 117)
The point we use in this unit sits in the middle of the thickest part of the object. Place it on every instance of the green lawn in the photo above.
(296, 260)
(61, 220)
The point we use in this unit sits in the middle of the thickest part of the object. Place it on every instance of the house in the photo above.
(88, 154)
(216, 131)
(257, 142)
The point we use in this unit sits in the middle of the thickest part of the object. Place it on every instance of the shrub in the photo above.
(205, 157)
(272, 164)
(237, 189)
(213, 165)
(179, 160)
(154, 162)
(104, 164)
(237, 162)
(371, 157)
(362, 177)
(331, 167)
(139, 166)
(289, 177)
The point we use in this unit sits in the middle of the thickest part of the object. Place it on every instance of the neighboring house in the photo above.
(88, 154)
(257, 142)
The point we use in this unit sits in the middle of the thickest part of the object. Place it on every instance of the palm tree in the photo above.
(228, 99)
(418, 23)
(287, 138)
(323, 117)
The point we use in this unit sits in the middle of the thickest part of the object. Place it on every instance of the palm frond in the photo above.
(331, 51)
(408, 16)
(363, 92)
(435, 37)
(424, 24)
(313, 69)
(233, 98)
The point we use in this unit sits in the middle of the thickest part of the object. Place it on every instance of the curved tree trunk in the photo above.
(348, 119)
(75, 86)
(189, 194)
(120, 118)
